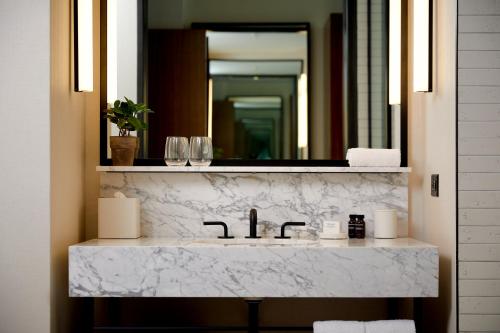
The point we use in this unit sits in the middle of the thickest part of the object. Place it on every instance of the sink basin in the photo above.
(257, 241)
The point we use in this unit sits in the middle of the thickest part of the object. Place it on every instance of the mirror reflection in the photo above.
(257, 83)
(266, 80)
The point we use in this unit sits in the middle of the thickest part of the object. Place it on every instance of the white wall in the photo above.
(49, 151)
(25, 166)
(72, 136)
(431, 150)
(479, 165)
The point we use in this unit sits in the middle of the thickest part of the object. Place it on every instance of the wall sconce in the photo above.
(395, 52)
(422, 45)
(302, 130)
(83, 48)
(210, 106)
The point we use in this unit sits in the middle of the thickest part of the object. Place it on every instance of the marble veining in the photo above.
(152, 267)
(174, 205)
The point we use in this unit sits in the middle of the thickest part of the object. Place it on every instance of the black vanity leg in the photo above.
(253, 315)
(392, 308)
(114, 311)
(87, 322)
(417, 313)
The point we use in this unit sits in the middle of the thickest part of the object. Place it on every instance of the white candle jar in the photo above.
(386, 223)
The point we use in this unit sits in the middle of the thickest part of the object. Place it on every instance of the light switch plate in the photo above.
(435, 185)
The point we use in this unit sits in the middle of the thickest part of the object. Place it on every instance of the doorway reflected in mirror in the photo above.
(257, 94)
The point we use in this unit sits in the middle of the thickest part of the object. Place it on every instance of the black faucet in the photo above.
(253, 224)
(221, 224)
(286, 224)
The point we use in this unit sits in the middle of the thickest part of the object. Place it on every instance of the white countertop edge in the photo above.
(367, 243)
(252, 169)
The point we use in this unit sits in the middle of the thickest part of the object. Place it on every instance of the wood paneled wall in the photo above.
(479, 165)
(177, 86)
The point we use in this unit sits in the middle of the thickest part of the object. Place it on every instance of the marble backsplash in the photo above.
(174, 205)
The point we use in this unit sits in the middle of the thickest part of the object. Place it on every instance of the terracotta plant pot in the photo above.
(124, 149)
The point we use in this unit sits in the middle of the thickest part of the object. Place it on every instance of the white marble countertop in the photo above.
(398, 243)
(253, 169)
(160, 267)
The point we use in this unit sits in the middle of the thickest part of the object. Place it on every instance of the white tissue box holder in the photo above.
(119, 218)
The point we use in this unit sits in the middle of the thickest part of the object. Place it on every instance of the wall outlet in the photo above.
(435, 185)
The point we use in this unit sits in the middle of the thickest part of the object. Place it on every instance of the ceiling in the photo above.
(256, 68)
(257, 45)
(257, 53)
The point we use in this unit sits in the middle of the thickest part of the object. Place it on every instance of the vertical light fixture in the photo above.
(112, 50)
(422, 45)
(302, 116)
(84, 63)
(210, 106)
(395, 52)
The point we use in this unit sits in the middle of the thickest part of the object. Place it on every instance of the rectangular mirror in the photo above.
(266, 89)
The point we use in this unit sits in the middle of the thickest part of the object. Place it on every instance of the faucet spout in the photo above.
(253, 224)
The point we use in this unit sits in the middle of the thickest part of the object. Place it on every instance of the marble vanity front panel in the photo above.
(174, 205)
(152, 267)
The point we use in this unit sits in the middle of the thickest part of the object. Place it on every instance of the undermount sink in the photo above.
(255, 241)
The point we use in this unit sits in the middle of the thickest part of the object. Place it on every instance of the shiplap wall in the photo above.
(479, 165)
(362, 71)
(378, 70)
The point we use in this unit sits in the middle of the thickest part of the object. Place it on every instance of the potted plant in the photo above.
(127, 117)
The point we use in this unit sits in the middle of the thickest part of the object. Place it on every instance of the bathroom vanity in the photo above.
(179, 256)
(158, 267)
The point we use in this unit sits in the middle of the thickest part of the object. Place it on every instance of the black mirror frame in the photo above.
(104, 160)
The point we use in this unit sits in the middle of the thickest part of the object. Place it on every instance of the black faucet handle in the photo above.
(289, 224)
(224, 225)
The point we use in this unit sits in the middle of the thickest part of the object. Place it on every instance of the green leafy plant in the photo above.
(218, 153)
(127, 116)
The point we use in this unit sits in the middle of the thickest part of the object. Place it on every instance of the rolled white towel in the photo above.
(370, 157)
(338, 326)
(390, 326)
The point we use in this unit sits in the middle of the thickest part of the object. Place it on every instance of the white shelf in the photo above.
(252, 169)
